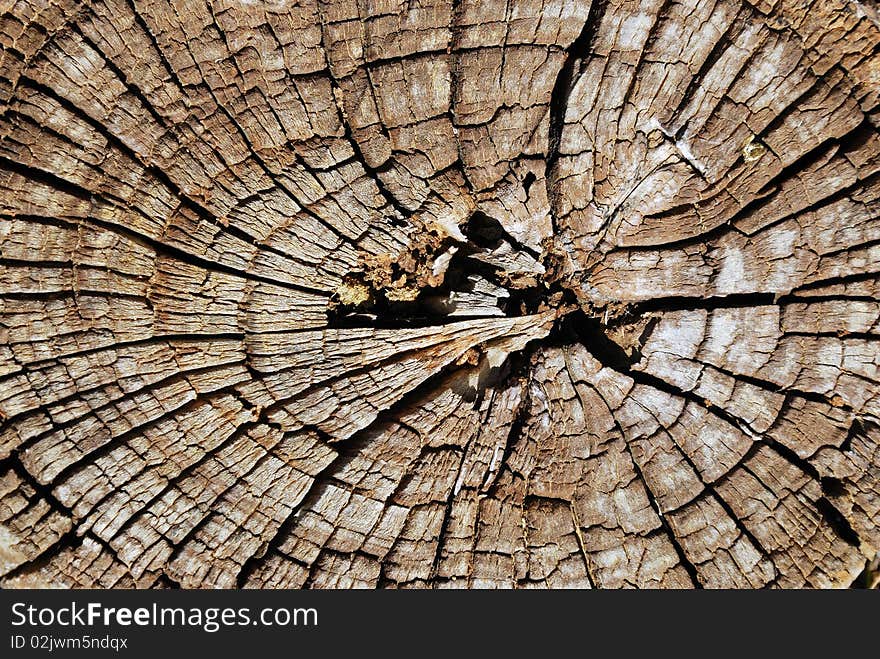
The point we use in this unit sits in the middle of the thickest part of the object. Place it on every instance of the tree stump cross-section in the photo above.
(439, 293)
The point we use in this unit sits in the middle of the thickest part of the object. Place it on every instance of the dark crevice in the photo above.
(683, 559)
(842, 335)
(46, 178)
(46, 296)
(870, 576)
(740, 524)
(433, 304)
(164, 581)
(684, 303)
(487, 232)
(814, 88)
(429, 308)
(864, 245)
(612, 358)
(515, 434)
(402, 213)
(829, 148)
(838, 523)
(572, 68)
(813, 299)
(710, 489)
(145, 28)
(858, 428)
(842, 279)
(665, 528)
(578, 327)
(832, 487)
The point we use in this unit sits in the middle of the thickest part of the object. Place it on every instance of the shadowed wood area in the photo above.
(439, 293)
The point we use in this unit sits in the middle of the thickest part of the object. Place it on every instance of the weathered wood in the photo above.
(439, 294)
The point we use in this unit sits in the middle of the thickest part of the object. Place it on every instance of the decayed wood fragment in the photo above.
(439, 294)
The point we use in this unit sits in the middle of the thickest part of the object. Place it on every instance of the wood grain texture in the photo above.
(439, 293)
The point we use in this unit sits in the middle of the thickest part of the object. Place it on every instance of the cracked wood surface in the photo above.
(439, 293)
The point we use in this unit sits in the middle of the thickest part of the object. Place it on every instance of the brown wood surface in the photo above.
(439, 293)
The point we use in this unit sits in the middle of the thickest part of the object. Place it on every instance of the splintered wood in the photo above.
(436, 294)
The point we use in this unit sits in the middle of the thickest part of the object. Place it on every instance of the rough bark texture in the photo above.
(433, 293)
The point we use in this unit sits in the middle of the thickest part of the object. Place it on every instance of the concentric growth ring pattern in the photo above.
(330, 293)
